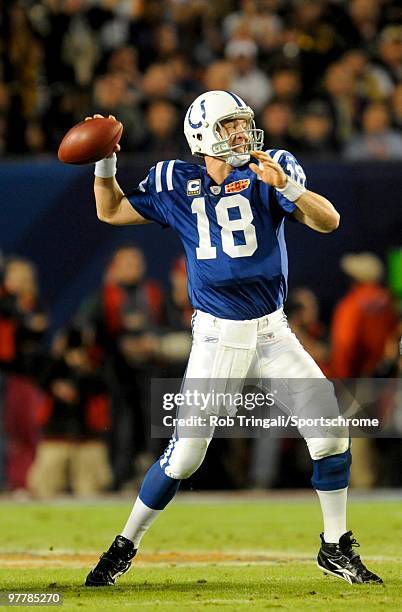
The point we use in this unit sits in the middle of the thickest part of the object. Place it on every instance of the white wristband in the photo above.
(292, 190)
(107, 167)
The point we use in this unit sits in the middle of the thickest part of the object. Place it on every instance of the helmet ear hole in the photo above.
(199, 136)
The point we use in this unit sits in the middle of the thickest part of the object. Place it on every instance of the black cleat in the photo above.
(113, 563)
(342, 561)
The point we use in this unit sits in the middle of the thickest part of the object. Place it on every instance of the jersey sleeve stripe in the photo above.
(158, 176)
(143, 184)
(169, 174)
(278, 154)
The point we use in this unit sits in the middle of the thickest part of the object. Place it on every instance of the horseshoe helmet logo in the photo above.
(195, 126)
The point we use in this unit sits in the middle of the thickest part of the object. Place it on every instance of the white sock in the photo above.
(139, 521)
(333, 506)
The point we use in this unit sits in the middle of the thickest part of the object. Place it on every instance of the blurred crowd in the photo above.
(75, 408)
(324, 76)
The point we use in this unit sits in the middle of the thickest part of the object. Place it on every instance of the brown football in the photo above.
(89, 141)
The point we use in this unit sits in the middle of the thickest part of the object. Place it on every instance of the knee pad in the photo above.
(332, 473)
(319, 448)
(186, 457)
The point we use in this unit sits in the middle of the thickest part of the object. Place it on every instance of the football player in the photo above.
(229, 215)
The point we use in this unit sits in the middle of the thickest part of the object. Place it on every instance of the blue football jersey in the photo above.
(232, 234)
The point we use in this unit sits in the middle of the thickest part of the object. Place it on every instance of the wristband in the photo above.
(107, 167)
(292, 190)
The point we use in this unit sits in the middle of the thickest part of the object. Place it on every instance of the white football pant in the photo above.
(226, 352)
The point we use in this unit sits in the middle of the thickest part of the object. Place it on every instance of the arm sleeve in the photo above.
(149, 201)
(294, 170)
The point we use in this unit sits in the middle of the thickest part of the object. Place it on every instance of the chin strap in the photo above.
(238, 159)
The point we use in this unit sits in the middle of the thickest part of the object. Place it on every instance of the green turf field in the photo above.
(200, 556)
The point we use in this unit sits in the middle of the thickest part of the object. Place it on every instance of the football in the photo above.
(89, 141)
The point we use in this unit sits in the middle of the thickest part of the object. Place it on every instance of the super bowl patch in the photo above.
(237, 186)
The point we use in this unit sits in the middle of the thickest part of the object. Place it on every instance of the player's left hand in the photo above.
(269, 171)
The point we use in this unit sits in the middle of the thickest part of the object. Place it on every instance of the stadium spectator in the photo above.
(52, 23)
(175, 335)
(35, 137)
(74, 418)
(66, 107)
(123, 317)
(286, 85)
(186, 86)
(166, 42)
(23, 324)
(162, 140)
(145, 19)
(22, 399)
(366, 18)
(363, 320)
(344, 104)
(316, 132)
(22, 67)
(112, 21)
(303, 316)
(378, 140)
(315, 37)
(158, 82)
(261, 20)
(80, 44)
(111, 96)
(249, 81)
(366, 77)
(390, 364)
(389, 61)
(277, 120)
(124, 63)
(219, 75)
(23, 320)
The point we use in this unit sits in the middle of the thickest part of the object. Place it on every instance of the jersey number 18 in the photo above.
(205, 250)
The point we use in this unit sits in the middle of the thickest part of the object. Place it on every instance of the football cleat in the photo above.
(342, 561)
(113, 563)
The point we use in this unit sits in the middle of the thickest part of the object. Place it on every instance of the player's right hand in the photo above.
(117, 148)
(268, 170)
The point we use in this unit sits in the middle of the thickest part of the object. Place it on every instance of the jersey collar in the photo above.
(213, 188)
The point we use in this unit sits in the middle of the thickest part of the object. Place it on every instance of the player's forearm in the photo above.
(318, 212)
(108, 196)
